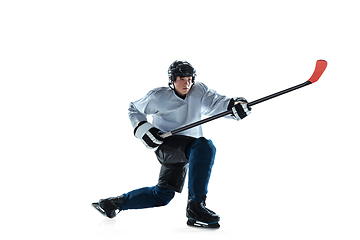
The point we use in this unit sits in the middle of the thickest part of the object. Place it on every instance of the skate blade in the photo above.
(97, 207)
(193, 223)
(102, 211)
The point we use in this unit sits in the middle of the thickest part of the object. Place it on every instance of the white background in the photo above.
(68, 70)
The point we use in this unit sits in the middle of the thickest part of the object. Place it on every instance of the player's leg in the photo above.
(201, 154)
(146, 197)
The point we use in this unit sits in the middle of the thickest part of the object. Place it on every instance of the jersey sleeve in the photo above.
(139, 109)
(212, 102)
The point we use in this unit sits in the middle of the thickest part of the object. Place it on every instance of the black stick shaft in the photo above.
(279, 93)
(195, 124)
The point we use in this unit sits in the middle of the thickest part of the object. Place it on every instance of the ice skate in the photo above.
(109, 207)
(200, 216)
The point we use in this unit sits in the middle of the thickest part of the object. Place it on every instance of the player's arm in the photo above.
(145, 131)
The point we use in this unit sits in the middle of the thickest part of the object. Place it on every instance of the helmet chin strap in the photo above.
(171, 84)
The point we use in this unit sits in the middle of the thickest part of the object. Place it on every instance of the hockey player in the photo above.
(182, 103)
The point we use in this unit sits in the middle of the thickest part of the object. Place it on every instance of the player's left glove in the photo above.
(239, 107)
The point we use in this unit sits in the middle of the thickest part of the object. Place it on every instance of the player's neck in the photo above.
(179, 95)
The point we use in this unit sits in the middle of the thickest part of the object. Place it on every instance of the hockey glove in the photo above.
(148, 134)
(239, 108)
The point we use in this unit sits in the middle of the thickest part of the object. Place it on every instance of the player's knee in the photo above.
(164, 196)
(166, 199)
(206, 147)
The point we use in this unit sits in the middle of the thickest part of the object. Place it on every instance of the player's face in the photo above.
(182, 85)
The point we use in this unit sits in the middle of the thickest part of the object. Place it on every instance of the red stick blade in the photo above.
(319, 70)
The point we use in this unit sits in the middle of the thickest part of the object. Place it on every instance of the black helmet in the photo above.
(180, 69)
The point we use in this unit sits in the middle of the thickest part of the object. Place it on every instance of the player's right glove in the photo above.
(148, 134)
(239, 107)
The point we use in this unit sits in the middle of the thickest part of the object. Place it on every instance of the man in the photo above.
(180, 104)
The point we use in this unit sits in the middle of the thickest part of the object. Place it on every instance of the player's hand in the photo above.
(148, 134)
(239, 108)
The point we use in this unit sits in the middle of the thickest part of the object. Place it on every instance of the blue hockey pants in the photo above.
(201, 155)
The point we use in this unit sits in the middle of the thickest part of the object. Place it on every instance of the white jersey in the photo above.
(170, 112)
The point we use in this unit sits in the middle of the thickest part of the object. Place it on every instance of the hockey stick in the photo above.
(319, 70)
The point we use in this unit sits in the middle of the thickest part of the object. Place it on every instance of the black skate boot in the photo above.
(109, 207)
(199, 216)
